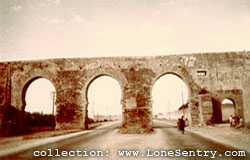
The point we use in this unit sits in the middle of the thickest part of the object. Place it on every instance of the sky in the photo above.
(38, 29)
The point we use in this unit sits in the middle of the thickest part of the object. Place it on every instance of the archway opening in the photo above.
(39, 96)
(104, 97)
(227, 109)
(170, 96)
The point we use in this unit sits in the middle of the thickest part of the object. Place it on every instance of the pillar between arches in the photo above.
(201, 110)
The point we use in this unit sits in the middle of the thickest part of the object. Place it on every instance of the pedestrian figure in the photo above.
(182, 124)
(186, 122)
(231, 121)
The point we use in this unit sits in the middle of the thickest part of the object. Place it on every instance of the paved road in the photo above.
(106, 143)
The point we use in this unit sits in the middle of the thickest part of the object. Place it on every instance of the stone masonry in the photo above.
(210, 77)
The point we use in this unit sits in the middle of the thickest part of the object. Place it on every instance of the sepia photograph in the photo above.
(124, 79)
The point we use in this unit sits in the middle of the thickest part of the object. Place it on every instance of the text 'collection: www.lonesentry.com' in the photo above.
(136, 153)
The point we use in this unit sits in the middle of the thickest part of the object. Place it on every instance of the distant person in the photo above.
(186, 122)
(231, 121)
(182, 124)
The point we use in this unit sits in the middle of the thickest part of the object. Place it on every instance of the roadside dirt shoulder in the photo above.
(238, 138)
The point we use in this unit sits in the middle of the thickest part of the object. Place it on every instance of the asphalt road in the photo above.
(107, 143)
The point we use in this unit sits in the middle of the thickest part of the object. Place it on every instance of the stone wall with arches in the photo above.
(93, 75)
(228, 109)
(208, 76)
(234, 95)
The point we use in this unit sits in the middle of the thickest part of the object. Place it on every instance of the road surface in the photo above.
(108, 144)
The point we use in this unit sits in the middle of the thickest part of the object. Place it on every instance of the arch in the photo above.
(175, 74)
(119, 77)
(108, 106)
(28, 78)
(26, 86)
(30, 120)
(230, 99)
(234, 95)
(228, 109)
(96, 77)
(181, 72)
(174, 113)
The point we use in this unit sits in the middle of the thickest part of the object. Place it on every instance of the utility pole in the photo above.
(183, 111)
(53, 94)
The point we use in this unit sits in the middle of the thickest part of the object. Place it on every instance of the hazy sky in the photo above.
(35, 29)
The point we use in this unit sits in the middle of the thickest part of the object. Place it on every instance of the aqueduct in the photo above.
(210, 77)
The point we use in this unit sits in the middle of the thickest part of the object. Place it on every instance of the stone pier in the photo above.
(220, 75)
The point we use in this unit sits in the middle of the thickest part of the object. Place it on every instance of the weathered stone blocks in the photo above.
(221, 75)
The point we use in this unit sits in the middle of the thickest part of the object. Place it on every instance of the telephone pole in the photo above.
(183, 111)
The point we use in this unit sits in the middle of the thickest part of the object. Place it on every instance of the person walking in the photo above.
(233, 122)
(182, 124)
